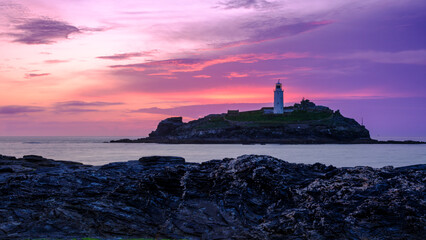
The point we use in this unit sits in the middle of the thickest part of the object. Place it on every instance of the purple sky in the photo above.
(90, 67)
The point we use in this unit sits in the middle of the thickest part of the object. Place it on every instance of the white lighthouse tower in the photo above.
(278, 99)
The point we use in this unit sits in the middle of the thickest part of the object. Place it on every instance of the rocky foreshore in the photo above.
(250, 197)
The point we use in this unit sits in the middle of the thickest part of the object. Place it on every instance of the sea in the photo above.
(97, 151)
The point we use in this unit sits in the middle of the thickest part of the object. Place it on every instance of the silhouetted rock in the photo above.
(249, 197)
(166, 126)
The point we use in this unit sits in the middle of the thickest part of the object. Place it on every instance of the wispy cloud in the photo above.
(86, 104)
(195, 111)
(76, 110)
(94, 29)
(53, 61)
(125, 56)
(82, 107)
(202, 76)
(236, 75)
(402, 57)
(16, 109)
(193, 65)
(42, 31)
(231, 4)
(32, 75)
(151, 77)
(269, 31)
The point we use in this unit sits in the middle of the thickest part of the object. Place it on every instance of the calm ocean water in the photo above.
(93, 150)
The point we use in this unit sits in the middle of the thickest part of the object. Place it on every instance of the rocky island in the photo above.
(249, 197)
(300, 124)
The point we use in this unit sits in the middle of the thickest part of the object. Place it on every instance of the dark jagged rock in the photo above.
(166, 126)
(249, 197)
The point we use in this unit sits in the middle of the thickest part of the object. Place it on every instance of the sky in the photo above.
(116, 68)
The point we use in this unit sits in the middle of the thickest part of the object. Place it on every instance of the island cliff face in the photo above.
(303, 123)
(249, 197)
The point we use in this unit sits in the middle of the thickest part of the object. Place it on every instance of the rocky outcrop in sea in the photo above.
(217, 128)
(249, 197)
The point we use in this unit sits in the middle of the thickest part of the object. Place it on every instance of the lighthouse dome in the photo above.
(278, 85)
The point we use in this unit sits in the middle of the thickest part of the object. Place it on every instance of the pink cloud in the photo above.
(202, 76)
(236, 75)
(161, 74)
(194, 65)
(53, 61)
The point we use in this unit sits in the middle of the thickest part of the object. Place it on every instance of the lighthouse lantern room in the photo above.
(278, 99)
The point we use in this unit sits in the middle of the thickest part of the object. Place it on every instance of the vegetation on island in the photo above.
(258, 118)
(295, 116)
(305, 112)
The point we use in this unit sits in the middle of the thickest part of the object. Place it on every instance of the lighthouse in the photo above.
(278, 99)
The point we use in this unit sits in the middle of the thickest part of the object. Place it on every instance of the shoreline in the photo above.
(42, 162)
(262, 142)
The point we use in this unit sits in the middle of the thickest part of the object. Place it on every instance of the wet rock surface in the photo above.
(250, 197)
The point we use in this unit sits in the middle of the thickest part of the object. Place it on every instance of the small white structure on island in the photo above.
(278, 99)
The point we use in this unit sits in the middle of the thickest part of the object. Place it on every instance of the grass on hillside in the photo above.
(257, 118)
(296, 116)
(214, 123)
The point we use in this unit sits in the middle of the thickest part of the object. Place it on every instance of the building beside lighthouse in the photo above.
(278, 99)
(304, 106)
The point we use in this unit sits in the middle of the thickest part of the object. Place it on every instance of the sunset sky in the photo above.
(115, 68)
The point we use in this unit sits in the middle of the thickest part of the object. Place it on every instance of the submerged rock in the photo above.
(249, 197)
